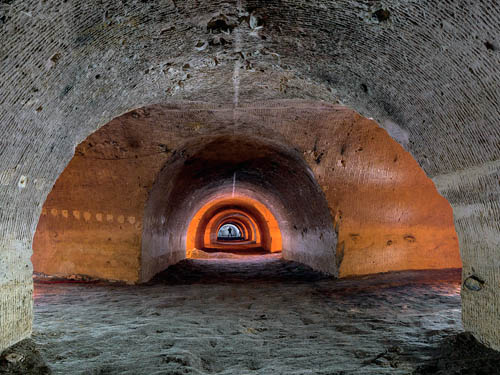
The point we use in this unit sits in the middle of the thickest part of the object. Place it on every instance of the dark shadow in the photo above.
(259, 269)
(239, 251)
(23, 359)
(461, 354)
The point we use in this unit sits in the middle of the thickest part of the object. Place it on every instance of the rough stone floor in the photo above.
(261, 315)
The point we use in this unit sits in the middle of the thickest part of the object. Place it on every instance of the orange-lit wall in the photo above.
(91, 222)
(388, 213)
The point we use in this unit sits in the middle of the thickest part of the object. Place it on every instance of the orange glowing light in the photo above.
(260, 226)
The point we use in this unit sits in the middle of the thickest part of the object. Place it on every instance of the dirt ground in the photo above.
(258, 315)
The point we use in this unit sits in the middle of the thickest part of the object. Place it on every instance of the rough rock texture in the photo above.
(426, 70)
(23, 359)
(91, 223)
(461, 354)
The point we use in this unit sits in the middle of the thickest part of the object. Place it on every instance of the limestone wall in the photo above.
(387, 212)
(475, 197)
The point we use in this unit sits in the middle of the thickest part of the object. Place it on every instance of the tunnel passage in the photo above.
(386, 213)
(268, 181)
(217, 230)
(256, 220)
(233, 229)
(427, 70)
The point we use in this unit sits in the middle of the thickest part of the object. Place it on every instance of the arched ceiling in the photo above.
(103, 59)
(269, 180)
(428, 71)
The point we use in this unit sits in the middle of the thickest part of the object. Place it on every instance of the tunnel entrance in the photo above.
(259, 233)
(252, 180)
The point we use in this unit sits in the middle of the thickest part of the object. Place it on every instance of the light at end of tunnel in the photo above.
(247, 215)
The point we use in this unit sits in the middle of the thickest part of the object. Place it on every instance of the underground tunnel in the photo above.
(149, 196)
(249, 187)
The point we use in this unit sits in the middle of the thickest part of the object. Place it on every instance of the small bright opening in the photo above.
(229, 232)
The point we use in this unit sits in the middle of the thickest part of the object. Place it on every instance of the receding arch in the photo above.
(254, 168)
(246, 221)
(360, 212)
(231, 231)
(379, 65)
(266, 224)
(245, 230)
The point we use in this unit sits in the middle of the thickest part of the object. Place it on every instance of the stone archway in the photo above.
(70, 68)
(391, 219)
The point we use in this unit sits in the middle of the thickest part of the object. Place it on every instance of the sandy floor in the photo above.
(258, 316)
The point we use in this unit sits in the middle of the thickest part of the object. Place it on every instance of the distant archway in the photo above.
(230, 232)
(204, 226)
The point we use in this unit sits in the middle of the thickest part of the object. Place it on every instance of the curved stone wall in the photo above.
(91, 222)
(271, 181)
(427, 71)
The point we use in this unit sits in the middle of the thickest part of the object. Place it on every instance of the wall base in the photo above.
(16, 312)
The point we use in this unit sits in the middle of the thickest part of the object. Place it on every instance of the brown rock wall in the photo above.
(91, 223)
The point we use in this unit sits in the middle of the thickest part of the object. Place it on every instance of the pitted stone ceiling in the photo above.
(415, 66)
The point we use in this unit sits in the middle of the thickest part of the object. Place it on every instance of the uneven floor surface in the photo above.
(261, 315)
